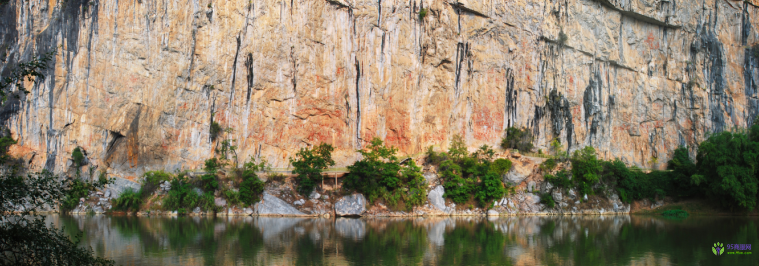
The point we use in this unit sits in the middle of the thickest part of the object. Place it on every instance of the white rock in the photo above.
(585, 197)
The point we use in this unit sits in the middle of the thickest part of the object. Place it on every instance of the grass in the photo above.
(701, 207)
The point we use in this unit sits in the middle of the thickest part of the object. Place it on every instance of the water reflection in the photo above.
(532, 240)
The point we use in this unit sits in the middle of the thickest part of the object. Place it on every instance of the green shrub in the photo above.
(484, 153)
(435, 158)
(76, 190)
(457, 148)
(180, 195)
(378, 169)
(251, 188)
(491, 188)
(5, 143)
(547, 199)
(585, 169)
(501, 166)
(78, 157)
(209, 180)
(730, 162)
(233, 197)
(422, 13)
(309, 164)
(560, 180)
(152, 180)
(215, 130)
(457, 188)
(414, 185)
(548, 165)
(520, 139)
(128, 200)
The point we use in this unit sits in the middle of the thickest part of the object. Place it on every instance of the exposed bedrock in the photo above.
(137, 84)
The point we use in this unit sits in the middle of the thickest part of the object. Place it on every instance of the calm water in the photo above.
(587, 240)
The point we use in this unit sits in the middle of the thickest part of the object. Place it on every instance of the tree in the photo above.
(727, 169)
(309, 164)
(457, 149)
(377, 172)
(586, 168)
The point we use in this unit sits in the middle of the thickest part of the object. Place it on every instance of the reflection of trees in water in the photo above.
(569, 240)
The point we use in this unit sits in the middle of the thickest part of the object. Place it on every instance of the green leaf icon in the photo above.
(714, 251)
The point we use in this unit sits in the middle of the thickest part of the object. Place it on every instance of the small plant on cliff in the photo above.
(491, 188)
(520, 139)
(422, 13)
(547, 199)
(457, 148)
(562, 40)
(435, 158)
(309, 164)
(209, 179)
(78, 157)
(152, 180)
(251, 187)
(215, 130)
(500, 166)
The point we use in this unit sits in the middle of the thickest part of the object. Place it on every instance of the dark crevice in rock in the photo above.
(462, 7)
(462, 52)
(250, 75)
(638, 16)
(116, 140)
(720, 102)
(592, 103)
(511, 99)
(234, 72)
(358, 105)
(294, 70)
(561, 115)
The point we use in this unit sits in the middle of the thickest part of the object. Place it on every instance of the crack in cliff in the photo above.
(358, 105)
(638, 16)
(462, 52)
(561, 115)
(250, 75)
(510, 106)
(234, 72)
(462, 7)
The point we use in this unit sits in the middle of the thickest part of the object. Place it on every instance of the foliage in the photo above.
(422, 13)
(233, 197)
(5, 143)
(75, 190)
(309, 164)
(214, 130)
(730, 162)
(491, 188)
(561, 179)
(457, 148)
(520, 139)
(585, 169)
(31, 71)
(457, 188)
(376, 173)
(128, 200)
(251, 187)
(435, 158)
(500, 166)
(562, 40)
(209, 180)
(484, 153)
(548, 165)
(78, 157)
(547, 199)
(180, 195)
(152, 180)
(558, 150)
(681, 169)
(414, 185)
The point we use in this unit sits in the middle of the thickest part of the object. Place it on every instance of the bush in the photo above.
(560, 180)
(675, 213)
(129, 200)
(180, 195)
(414, 185)
(435, 158)
(520, 139)
(152, 180)
(214, 130)
(422, 13)
(484, 153)
(585, 169)
(548, 165)
(251, 187)
(209, 180)
(76, 190)
(78, 157)
(729, 160)
(457, 188)
(500, 166)
(309, 164)
(377, 170)
(491, 188)
(457, 148)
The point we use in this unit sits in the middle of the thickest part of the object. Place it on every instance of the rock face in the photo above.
(271, 205)
(435, 196)
(353, 205)
(137, 84)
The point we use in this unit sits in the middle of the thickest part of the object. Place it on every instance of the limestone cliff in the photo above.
(137, 83)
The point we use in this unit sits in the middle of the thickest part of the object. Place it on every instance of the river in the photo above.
(526, 240)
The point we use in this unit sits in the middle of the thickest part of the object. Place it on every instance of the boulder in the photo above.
(220, 202)
(531, 186)
(546, 187)
(435, 197)
(585, 197)
(518, 173)
(196, 210)
(492, 213)
(271, 205)
(557, 197)
(430, 177)
(299, 202)
(353, 205)
(107, 193)
(571, 194)
(314, 195)
(247, 211)
(120, 185)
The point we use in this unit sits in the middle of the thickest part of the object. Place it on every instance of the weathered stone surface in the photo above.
(351, 205)
(634, 79)
(435, 196)
(120, 185)
(271, 205)
(556, 194)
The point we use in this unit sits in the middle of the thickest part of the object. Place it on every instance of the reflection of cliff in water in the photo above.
(545, 240)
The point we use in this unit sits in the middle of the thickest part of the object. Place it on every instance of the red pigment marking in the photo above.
(651, 41)
(571, 80)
